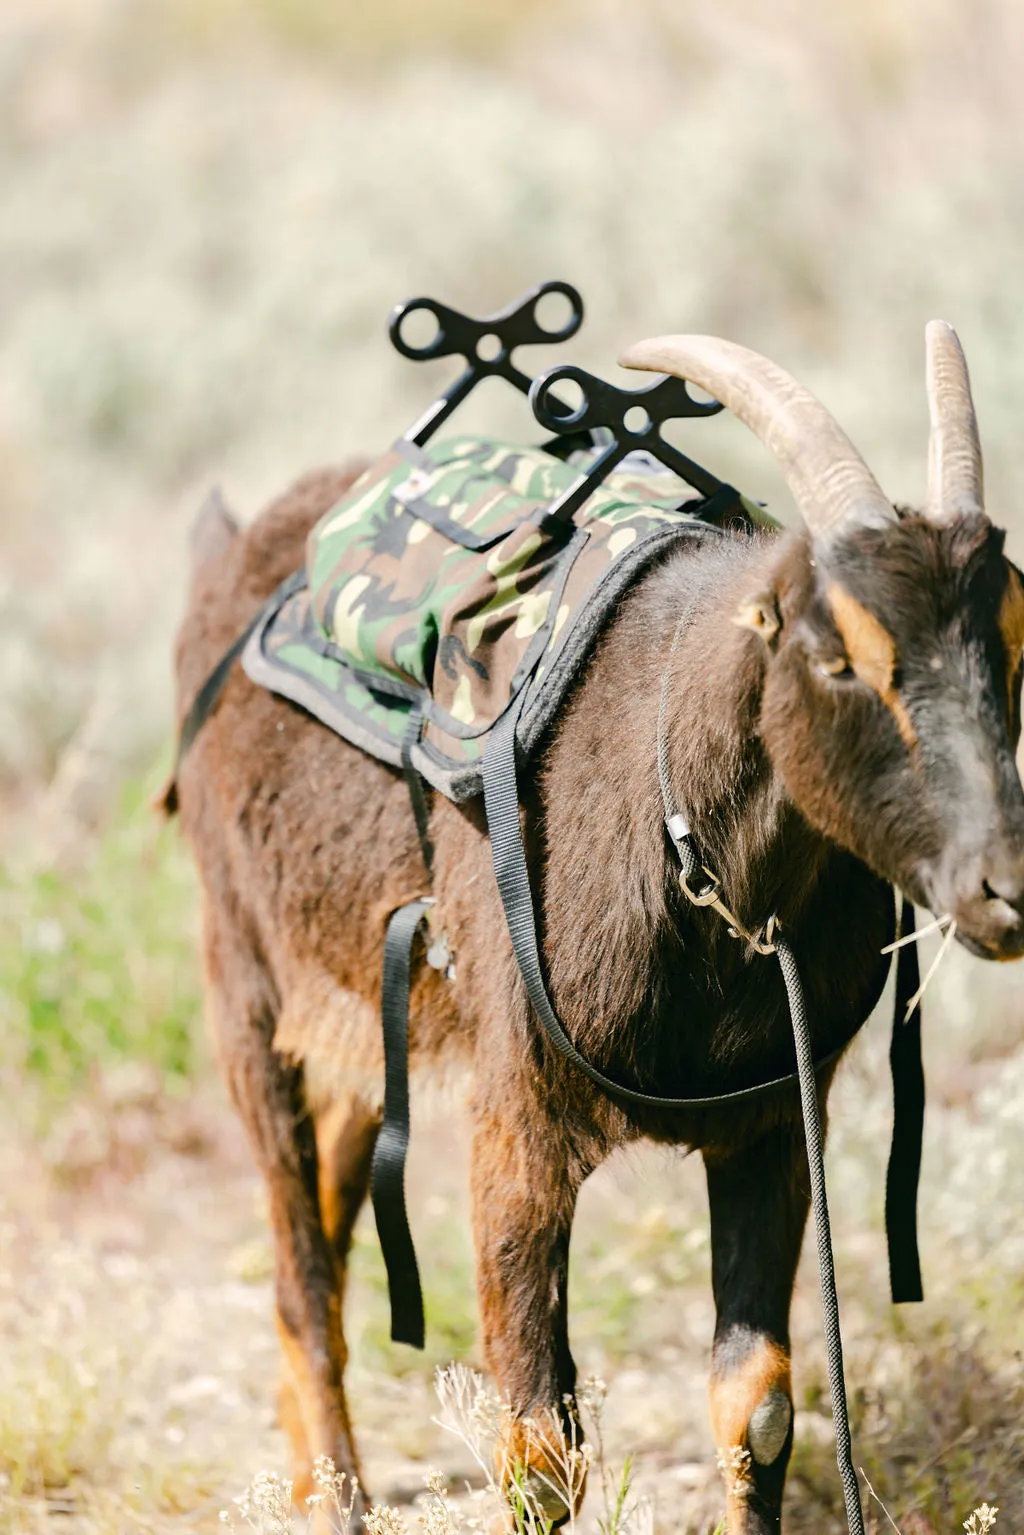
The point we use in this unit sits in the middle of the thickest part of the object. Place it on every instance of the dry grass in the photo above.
(73, 1400)
(200, 246)
(208, 211)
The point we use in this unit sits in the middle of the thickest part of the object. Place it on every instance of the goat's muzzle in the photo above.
(984, 893)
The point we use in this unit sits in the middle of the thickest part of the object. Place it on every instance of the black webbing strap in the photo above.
(206, 699)
(417, 793)
(907, 1125)
(387, 1173)
(501, 802)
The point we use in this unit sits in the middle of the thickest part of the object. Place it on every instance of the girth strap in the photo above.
(501, 801)
(414, 783)
(387, 1172)
(208, 697)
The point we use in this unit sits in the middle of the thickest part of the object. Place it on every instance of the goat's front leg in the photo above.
(759, 1201)
(524, 1184)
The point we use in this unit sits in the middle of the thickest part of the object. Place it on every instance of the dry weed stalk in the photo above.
(735, 1468)
(265, 1506)
(980, 1522)
(472, 1411)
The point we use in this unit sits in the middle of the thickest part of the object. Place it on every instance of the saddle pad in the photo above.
(438, 580)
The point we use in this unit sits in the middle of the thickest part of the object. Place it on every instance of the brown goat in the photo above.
(843, 712)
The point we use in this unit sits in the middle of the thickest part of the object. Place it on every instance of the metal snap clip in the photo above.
(706, 897)
(763, 941)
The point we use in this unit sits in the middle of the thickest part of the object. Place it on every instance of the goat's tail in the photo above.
(212, 532)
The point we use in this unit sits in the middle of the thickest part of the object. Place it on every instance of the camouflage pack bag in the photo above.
(440, 583)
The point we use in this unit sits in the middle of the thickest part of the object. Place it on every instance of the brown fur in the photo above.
(735, 1395)
(800, 790)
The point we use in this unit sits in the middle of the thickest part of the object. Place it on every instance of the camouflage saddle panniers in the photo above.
(439, 581)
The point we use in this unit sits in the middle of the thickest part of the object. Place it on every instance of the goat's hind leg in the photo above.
(268, 1093)
(759, 1202)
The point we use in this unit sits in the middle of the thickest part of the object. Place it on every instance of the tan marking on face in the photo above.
(872, 652)
(1011, 627)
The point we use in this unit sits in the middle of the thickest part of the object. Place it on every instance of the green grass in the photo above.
(936, 1427)
(97, 959)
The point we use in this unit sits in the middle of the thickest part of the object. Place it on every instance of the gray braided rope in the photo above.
(826, 1266)
(812, 1135)
(668, 798)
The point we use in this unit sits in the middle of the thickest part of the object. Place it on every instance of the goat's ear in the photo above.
(761, 613)
(213, 530)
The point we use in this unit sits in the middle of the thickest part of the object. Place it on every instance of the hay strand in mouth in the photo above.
(922, 932)
(919, 932)
(944, 947)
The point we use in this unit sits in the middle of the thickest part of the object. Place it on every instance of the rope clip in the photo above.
(709, 896)
(761, 942)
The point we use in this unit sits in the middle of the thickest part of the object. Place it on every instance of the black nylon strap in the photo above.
(417, 793)
(207, 698)
(907, 1126)
(387, 1172)
(501, 802)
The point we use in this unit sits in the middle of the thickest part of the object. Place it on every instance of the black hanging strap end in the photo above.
(908, 1126)
(387, 1172)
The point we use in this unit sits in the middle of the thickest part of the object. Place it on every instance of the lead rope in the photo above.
(770, 941)
(823, 1231)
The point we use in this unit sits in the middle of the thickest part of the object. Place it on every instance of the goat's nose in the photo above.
(1004, 887)
(989, 902)
(1002, 877)
(984, 890)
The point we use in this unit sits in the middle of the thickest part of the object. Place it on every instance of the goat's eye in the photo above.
(836, 666)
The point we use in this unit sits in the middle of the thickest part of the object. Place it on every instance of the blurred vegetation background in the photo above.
(207, 209)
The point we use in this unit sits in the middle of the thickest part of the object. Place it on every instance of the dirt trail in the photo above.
(139, 1364)
(147, 1285)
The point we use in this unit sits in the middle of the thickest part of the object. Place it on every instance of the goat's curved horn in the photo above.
(955, 478)
(830, 482)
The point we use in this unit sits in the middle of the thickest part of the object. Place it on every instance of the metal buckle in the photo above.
(706, 897)
(762, 941)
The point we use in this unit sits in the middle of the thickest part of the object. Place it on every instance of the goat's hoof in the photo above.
(542, 1499)
(541, 1469)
